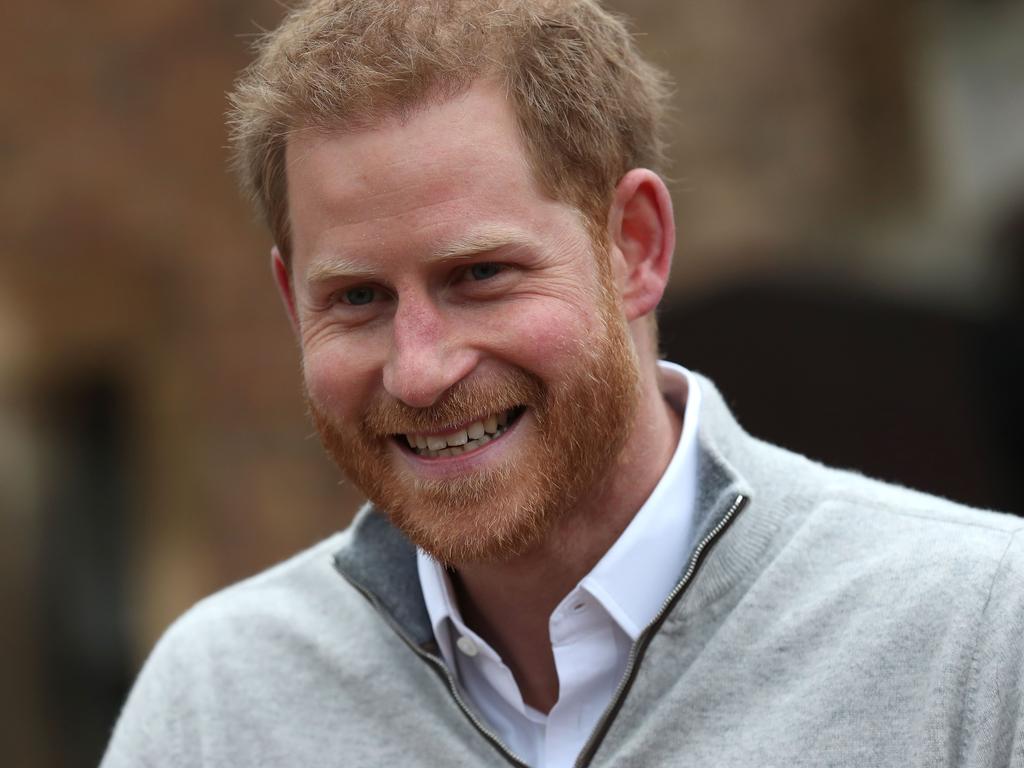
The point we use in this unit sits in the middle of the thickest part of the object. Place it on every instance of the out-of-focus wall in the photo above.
(160, 382)
(797, 127)
(153, 445)
(868, 141)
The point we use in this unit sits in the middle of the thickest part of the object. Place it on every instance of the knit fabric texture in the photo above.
(838, 621)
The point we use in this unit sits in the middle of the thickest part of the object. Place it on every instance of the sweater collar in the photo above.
(379, 561)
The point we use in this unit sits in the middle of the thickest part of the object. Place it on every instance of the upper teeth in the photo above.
(474, 436)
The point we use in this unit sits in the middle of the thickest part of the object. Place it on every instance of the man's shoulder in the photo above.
(307, 572)
(299, 601)
(837, 532)
(869, 527)
(906, 516)
(283, 668)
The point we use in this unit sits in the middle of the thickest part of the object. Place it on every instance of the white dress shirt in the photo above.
(595, 625)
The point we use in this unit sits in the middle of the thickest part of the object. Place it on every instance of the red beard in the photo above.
(577, 427)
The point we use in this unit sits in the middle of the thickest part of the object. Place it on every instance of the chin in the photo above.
(562, 440)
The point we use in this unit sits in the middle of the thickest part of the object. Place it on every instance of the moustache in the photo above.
(462, 404)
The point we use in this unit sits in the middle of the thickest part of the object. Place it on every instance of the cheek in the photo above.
(338, 379)
(541, 338)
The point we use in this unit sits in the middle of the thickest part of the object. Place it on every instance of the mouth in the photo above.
(466, 439)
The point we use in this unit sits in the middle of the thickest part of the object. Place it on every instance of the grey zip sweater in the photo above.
(824, 620)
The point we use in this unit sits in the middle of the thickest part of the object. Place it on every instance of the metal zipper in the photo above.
(639, 648)
(636, 653)
(442, 670)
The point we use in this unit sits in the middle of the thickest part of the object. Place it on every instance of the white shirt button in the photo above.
(467, 646)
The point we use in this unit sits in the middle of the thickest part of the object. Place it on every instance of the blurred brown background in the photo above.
(849, 186)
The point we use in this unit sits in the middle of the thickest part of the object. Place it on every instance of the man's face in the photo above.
(464, 356)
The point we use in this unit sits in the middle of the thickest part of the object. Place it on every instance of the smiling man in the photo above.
(572, 554)
(466, 352)
(469, 359)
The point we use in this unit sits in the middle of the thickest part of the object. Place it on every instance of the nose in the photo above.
(427, 355)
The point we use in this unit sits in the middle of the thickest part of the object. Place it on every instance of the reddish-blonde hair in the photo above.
(587, 105)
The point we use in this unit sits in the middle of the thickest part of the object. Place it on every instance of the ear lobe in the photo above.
(643, 237)
(283, 278)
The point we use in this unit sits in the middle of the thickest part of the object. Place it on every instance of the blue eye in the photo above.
(358, 296)
(484, 271)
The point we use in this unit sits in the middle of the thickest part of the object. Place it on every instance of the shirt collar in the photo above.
(635, 576)
(440, 600)
(637, 573)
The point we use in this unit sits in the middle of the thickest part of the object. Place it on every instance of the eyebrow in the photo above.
(473, 244)
(334, 267)
(479, 242)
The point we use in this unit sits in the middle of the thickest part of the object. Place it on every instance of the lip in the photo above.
(440, 467)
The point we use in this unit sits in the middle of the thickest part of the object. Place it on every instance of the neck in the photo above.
(509, 603)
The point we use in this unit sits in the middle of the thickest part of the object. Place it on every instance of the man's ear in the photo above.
(642, 236)
(283, 278)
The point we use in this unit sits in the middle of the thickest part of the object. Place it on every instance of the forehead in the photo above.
(443, 168)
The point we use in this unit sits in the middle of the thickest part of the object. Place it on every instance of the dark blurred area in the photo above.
(904, 393)
(849, 187)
